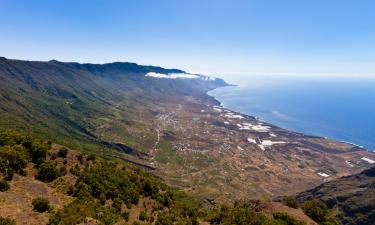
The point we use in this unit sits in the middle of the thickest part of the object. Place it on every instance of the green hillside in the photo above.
(42, 183)
(65, 102)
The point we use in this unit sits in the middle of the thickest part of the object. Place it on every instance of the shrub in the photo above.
(125, 216)
(40, 204)
(116, 204)
(291, 201)
(4, 186)
(53, 156)
(79, 209)
(319, 212)
(13, 159)
(38, 152)
(75, 170)
(284, 218)
(91, 157)
(63, 152)
(62, 170)
(80, 158)
(143, 216)
(7, 221)
(47, 172)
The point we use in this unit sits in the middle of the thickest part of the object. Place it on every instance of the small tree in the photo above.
(41, 204)
(47, 172)
(4, 186)
(91, 157)
(319, 212)
(291, 201)
(7, 221)
(143, 216)
(63, 152)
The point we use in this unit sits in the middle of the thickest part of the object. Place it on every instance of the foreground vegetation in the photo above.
(108, 191)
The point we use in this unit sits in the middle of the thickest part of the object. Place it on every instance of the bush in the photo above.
(13, 159)
(38, 152)
(285, 219)
(143, 216)
(75, 170)
(41, 204)
(4, 186)
(319, 212)
(7, 221)
(47, 172)
(79, 209)
(80, 158)
(63, 152)
(291, 201)
(91, 157)
(117, 204)
(53, 156)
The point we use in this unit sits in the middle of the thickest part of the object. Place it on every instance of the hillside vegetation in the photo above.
(66, 102)
(351, 197)
(86, 189)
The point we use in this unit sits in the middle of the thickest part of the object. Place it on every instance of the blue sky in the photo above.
(213, 37)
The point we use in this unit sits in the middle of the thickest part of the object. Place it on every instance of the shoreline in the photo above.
(221, 104)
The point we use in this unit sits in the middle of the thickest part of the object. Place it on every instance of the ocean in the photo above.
(338, 108)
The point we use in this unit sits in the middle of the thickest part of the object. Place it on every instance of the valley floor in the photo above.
(222, 155)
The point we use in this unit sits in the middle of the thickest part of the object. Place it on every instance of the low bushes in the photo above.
(41, 204)
(4, 186)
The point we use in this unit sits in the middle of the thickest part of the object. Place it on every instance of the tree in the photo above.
(91, 157)
(319, 212)
(47, 172)
(7, 221)
(13, 159)
(63, 152)
(143, 216)
(4, 186)
(291, 201)
(40, 204)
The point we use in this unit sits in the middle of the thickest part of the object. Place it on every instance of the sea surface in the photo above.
(338, 108)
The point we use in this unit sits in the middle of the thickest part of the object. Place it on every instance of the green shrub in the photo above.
(117, 203)
(47, 172)
(7, 221)
(91, 157)
(125, 216)
(38, 152)
(63, 152)
(4, 186)
(319, 212)
(79, 209)
(75, 170)
(284, 219)
(291, 201)
(13, 159)
(143, 216)
(53, 156)
(80, 158)
(40, 204)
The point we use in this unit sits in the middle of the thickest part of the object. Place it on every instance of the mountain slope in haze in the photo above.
(352, 197)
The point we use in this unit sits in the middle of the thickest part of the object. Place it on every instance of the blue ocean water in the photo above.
(338, 108)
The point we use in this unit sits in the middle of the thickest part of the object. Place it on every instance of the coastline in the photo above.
(221, 104)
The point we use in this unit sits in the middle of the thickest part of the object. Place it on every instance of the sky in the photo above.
(319, 37)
